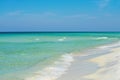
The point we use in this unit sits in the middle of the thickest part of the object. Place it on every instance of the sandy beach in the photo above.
(59, 39)
(96, 66)
(109, 66)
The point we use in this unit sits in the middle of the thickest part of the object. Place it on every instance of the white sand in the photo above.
(109, 66)
(97, 64)
(103, 63)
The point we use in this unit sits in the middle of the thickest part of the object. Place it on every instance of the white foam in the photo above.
(56, 70)
(100, 38)
(37, 39)
(62, 39)
(110, 45)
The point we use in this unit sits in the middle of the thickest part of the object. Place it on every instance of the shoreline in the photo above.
(62, 66)
(81, 66)
(95, 65)
(75, 67)
(109, 66)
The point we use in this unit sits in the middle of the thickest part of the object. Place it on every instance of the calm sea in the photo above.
(21, 52)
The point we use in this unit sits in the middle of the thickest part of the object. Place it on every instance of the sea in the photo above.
(45, 55)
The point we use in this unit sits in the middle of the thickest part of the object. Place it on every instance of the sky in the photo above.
(59, 15)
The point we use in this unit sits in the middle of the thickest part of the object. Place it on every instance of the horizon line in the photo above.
(58, 31)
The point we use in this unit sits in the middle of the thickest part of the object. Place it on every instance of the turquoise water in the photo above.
(22, 51)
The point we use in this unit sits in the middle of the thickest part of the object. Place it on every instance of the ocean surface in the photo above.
(25, 54)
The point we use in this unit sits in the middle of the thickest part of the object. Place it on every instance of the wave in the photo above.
(56, 70)
(102, 49)
(61, 66)
(101, 38)
(37, 39)
(62, 39)
(117, 44)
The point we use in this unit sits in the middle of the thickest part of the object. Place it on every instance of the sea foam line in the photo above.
(101, 38)
(117, 44)
(53, 72)
(62, 39)
(109, 64)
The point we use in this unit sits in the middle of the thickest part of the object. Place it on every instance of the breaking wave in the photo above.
(62, 39)
(56, 70)
(101, 38)
(110, 45)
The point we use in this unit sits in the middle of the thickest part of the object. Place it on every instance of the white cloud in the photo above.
(49, 14)
(108, 15)
(77, 16)
(38, 15)
(14, 13)
(104, 3)
(81, 16)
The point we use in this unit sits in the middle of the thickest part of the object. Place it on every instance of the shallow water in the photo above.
(21, 52)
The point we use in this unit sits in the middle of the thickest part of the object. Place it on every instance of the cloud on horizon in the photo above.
(14, 13)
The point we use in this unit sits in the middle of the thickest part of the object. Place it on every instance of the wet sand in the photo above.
(109, 66)
(83, 66)
(100, 63)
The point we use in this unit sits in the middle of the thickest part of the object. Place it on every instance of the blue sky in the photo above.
(59, 15)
